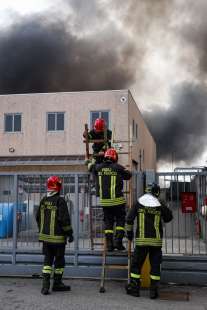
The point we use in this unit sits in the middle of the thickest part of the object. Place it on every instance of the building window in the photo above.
(12, 122)
(100, 114)
(136, 131)
(55, 121)
(6, 193)
(133, 128)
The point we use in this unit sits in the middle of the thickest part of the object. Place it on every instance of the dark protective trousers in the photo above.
(139, 256)
(114, 215)
(54, 253)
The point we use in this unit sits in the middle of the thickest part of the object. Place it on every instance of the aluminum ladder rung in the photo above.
(116, 266)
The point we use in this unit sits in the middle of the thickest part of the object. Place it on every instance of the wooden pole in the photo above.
(87, 142)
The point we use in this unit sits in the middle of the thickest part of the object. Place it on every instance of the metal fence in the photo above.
(19, 199)
(20, 195)
(186, 234)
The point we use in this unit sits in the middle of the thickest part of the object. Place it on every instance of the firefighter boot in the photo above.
(45, 284)
(154, 289)
(133, 287)
(109, 242)
(118, 239)
(58, 285)
(118, 244)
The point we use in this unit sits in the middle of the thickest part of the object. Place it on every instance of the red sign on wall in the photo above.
(188, 202)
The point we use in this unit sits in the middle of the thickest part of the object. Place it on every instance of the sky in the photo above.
(157, 49)
(24, 6)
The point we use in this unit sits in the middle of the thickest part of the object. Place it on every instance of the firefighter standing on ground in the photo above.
(54, 228)
(99, 132)
(110, 177)
(150, 213)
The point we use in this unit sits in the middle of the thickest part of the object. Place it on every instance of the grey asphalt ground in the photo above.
(24, 294)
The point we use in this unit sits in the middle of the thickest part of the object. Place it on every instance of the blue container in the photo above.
(6, 219)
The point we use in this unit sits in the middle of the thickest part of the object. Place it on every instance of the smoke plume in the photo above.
(39, 54)
(180, 131)
(156, 48)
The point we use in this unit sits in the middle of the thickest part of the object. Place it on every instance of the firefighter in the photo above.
(110, 176)
(150, 213)
(98, 133)
(54, 229)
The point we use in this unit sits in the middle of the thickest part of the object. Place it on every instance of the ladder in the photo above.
(114, 142)
(96, 222)
(86, 141)
(94, 210)
(106, 266)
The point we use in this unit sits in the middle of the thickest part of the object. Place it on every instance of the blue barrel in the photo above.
(6, 219)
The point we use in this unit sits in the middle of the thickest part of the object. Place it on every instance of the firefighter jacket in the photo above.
(149, 213)
(53, 220)
(110, 183)
(98, 147)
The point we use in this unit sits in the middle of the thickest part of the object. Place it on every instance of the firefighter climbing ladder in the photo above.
(95, 213)
(106, 266)
(95, 210)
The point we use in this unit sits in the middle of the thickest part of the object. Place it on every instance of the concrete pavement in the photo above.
(24, 294)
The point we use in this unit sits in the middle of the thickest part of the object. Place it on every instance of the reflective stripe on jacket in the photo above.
(53, 220)
(149, 230)
(110, 183)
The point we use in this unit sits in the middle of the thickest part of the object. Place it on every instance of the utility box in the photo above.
(6, 220)
(188, 202)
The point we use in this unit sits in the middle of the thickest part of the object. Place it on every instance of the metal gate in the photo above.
(184, 244)
(186, 234)
(20, 195)
(185, 238)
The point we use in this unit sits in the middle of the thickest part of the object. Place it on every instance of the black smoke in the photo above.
(40, 55)
(180, 131)
(79, 46)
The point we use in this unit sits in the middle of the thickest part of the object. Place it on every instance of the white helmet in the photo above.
(204, 210)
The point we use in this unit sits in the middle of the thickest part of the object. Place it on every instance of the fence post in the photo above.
(14, 247)
(76, 228)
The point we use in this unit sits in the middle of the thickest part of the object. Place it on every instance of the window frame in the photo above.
(99, 112)
(55, 113)
(133, 128)
(13, 118)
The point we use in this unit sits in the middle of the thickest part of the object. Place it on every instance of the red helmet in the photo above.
(99, 124)
(111, 154)
(54, 183)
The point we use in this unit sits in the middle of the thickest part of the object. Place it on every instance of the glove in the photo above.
(87, 161)
(70, 238)
(101, 153)
(130, 235)
(85, 133)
